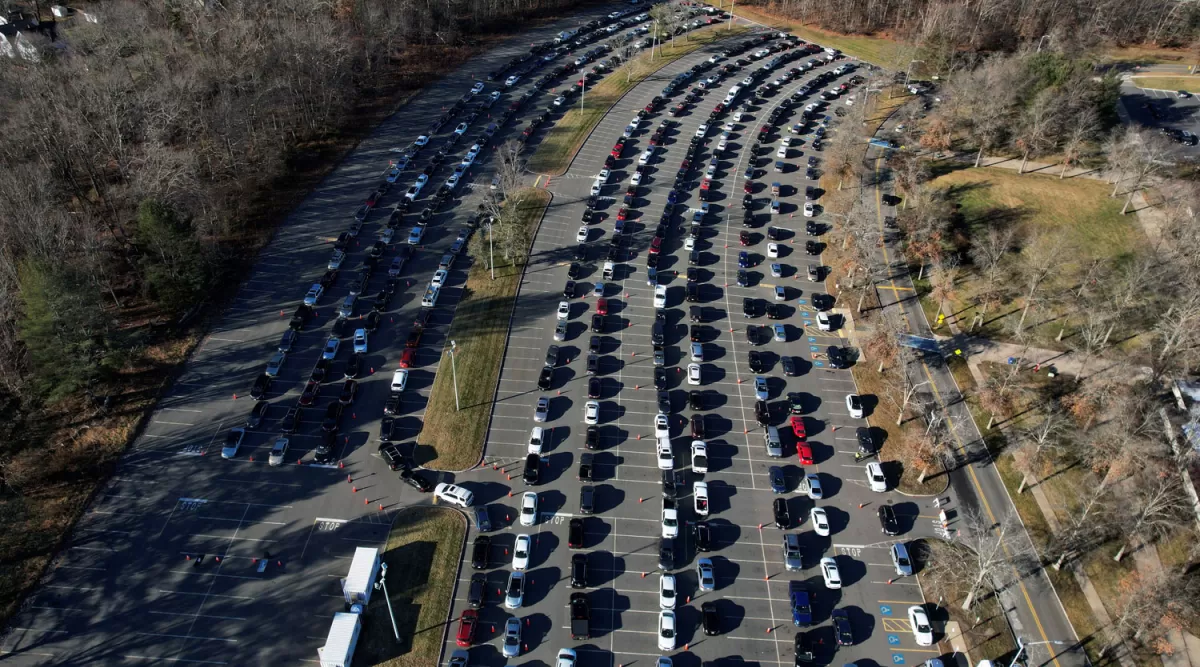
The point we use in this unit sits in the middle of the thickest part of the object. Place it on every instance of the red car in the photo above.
(310, 392)
(655, 245)
(798, 427)
(649, 108)
(408, 358)
(601, 306)
(622, 213)
(748, 188)
(466, 628)
(654, 140)
(705, 184)
(719, 108)
(685, 165)
(372, 199)
(616, 151)
(765, 128)
(805, 454)
(679, 108)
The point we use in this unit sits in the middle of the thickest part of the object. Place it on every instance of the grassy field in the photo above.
(877, 50)
(1079, 210)
(1188, 83)
(481, 330)
(1148, 55)
(422, 556)
(562, 142)
(990, 639)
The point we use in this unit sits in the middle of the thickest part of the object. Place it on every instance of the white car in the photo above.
(660, 296)
(738, 115)
(823, 322)
(565, 658)
(512, 80)
(536, 441)
(704, 574)
(541, 411)
(700, 498)
(636, 179)
(629, 130)
(921, 628)
(702, 130)
(875, 478)
(591, 412)
(604, 175)
(314, 293)
(820, 521)
(529, 503)
(773, 250)
(453, 494)
(564, 310)
(582, 235)
(815, 492)
(521, 549)
(477, 88)
(666, 630)
(722, 144)
(694, 374)
(785, 142)
(278, 452)
(514, 595)
(782, 152)
(662, 426)
(335, 261)
(808, 209)
(670, 522)
(830, 573)
(666, 591)
(644, 158)
(360, 340)
(854, 406)
(461, 129)
(233, 440)
(666, 459)
(596, 185)
(421, 140)
(452, 182)
(558, 101)
(689, 244)
(699, 457)
(399, 380)
(439, 278)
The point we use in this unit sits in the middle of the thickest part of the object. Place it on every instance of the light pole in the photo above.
(491, 253)
(908, 71)
(1022, 646)
(454, 373)
(729, 23)
(382, 583)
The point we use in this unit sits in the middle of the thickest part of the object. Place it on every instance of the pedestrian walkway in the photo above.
(1037, 359)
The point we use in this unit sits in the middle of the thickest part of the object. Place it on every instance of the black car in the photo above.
(670, 485)
(257, 413)
(371, 323)
(779, 508)
(812, 228)
(812, 247)
(574, 271)
(703, 536)
(481, 552)
(664, 402)
(887, 520)
(532, 471)
(594, 387)
(320, 370)
(349, 391)
(333, 414)
(587, 499)
(696, 399)
(382, 300)
(756, 335)
(710, 619)
(416, 481)
(837, 357)
(393, 457)
(300, 317)
(579, 570)
(790, 368)
(775, 311)
(593, 364)
(585, 467)
(544, 378)
(803, 646)
(261, 384)
(392, 406)
(698, 429)
(660, 378)
(324, 451)
(569, 290)
(388, 428)
(594, 344)
(696, 313)
(762, 413)
(866, 443)
(477, 591)
(581, 252)
(597, 325)
(588, 215)
(291, 420)
(666, 554)
(575, 533)
(843, 632)
(749, 308)
(354, 365)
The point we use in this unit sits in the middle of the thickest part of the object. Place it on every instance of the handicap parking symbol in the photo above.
(885, 609)
(813, 348)
(897, 659)
(812, 339)
(802, 302)
(893, 640)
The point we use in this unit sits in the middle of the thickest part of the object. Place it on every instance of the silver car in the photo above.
(512, 637)
(901, 561)
(542, 410)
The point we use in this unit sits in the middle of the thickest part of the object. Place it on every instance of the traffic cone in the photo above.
(189, 557)
(380, 507)
(366, 501)
(252, 458)
(760, 526)
(343, 465)
(861, 505)
(641, 500)
(643, 575)
(768, 630)
(354, 489)
(235, 397)
(218, 559)
(281, 314)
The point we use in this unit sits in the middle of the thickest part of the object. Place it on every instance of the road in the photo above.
(1161, 108)
(1034, 610)
(621, 538)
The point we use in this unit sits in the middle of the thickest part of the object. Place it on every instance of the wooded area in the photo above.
(962, 25)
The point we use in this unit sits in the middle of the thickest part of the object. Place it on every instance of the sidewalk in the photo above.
(978, 350)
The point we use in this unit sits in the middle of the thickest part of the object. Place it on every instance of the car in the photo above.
(669, 520)
(922, 629)
(820, 521)
(664, 455)
(876, 480)
(666, 630)
(780, 513)
(481, 552)
(836, 357)
(591, 412)
(475, 90)
(700, 498)
(887, 520)
(579, 564)
(540, 413)
(662, 427)
(704, 573)
(476, 594)
(529, 508)
(575, 533)
(693, 371)
(514, 595)
(756, 363)
(564, 310)
(667, 591)
(710, 619)
(660, 296)
(511, 645)
(901, 561)
(802, 646)
(233, 440)
(797, 424)
(830, 573)
(454, 494)
(843, 632)
(467, 623)
(699, 452)
(854, 405)
(314, 293)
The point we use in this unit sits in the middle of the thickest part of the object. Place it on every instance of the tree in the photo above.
(175, 264)
(1040, 257)
(1084, 127)
(1151, 605)
(1157, 506)
(1037, 129)
(988, 555)
(988, 251)
(943, 282)
(1038, 443)
(503, 203)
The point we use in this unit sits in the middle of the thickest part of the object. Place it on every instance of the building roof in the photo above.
(362, 569)
(341, 638)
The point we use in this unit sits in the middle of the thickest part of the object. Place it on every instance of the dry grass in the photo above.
(1147, 54)
(481, 325)
(563, 141)
(1188, 83)
(422, 556)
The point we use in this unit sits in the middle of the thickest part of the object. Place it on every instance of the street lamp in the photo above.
(1022, 646)
(382, 583)
(454, 373)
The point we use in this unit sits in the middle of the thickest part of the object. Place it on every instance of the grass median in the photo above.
(422, 555)
(563, 141)
(480, 329)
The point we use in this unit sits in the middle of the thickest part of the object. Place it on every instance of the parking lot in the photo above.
(621, 539)
(188, 557)
(1163, 109)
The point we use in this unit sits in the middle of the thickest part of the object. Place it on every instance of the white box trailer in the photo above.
(360, 581)
(338, 650)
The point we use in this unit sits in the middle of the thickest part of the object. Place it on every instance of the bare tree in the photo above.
(1038, 443)
(988, 556)
(1040, 257)
(1038, 125)
(1156, 507)
(1084, 126)
(988, 251)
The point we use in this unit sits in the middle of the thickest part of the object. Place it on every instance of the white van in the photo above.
(454, 494)
(347, 307)
(431, 297)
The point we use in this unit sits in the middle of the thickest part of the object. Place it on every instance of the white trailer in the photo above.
(360, 581)
(338, 650)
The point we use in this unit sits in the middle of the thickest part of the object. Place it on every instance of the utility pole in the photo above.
(491, 253)
(382, 583)
(454, 373)
(729, 23)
